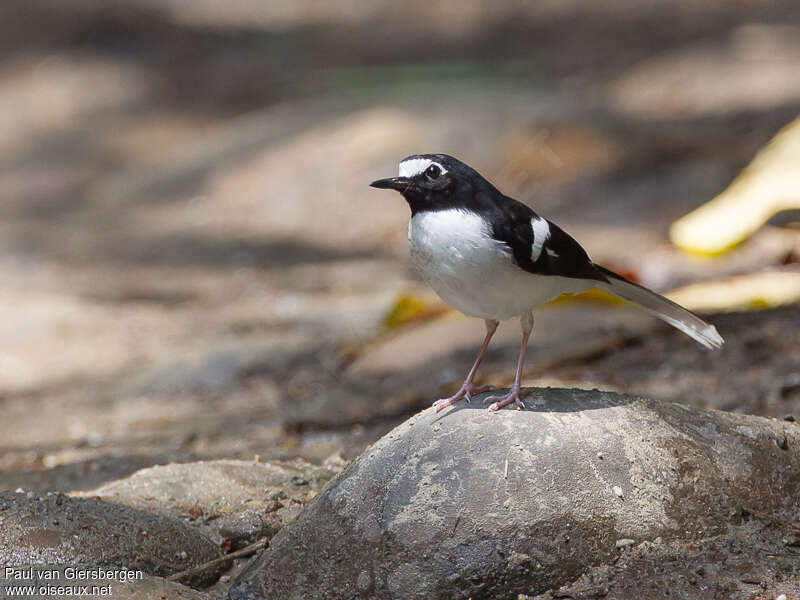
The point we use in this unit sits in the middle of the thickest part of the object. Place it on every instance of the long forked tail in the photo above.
(666, 310)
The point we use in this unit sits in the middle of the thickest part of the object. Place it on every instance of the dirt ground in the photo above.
(192, 265)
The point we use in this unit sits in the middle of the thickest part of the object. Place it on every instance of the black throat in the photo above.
(467, 195)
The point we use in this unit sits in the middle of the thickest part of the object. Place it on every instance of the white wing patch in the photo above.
(541, 233)
(414, 166)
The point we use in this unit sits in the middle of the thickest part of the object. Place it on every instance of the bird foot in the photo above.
(506, 399)
(466, 392)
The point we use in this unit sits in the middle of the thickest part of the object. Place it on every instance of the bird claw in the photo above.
(466, 392)
(505, 400)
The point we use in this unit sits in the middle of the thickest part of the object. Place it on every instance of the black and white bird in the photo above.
(492, 257)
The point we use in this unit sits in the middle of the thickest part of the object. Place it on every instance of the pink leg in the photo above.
(513, 395)
(468, 388)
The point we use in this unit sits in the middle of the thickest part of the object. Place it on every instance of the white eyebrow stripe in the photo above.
(541, 233)
(414, 166)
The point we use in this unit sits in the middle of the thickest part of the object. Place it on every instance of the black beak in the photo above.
(392, 183)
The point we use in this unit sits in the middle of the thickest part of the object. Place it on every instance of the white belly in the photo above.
(473, 273)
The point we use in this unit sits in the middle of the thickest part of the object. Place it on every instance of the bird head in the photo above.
(431, 181)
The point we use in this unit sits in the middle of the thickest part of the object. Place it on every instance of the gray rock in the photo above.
(54, 529)
(432, 511)
(235, 500)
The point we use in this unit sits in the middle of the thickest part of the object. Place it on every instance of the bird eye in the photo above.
(433, 171)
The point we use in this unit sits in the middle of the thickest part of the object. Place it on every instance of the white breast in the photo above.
(471, 271)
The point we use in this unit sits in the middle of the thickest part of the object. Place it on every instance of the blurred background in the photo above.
(192, 265)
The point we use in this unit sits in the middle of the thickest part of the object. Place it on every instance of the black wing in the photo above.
(559, 254)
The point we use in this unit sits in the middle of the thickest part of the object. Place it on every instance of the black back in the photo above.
(560, 254)
(463, 187)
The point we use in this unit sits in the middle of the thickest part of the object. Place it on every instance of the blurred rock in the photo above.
(560, 331)
(92, 337)
(752, 373)
(751, 69)
(48, 96)
(228, 500)
(560, 152)
(278, 192)
(54, 529)
(216, 370)
(406, 369)
(470, 503)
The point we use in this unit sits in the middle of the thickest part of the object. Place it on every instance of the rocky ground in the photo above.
(193, 269)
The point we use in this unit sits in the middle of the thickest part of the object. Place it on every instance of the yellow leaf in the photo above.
(768, 185)
(743, 292)
(410, 307)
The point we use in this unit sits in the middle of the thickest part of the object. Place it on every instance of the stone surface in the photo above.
(472, 504)
(233, 500)
(54, 529)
